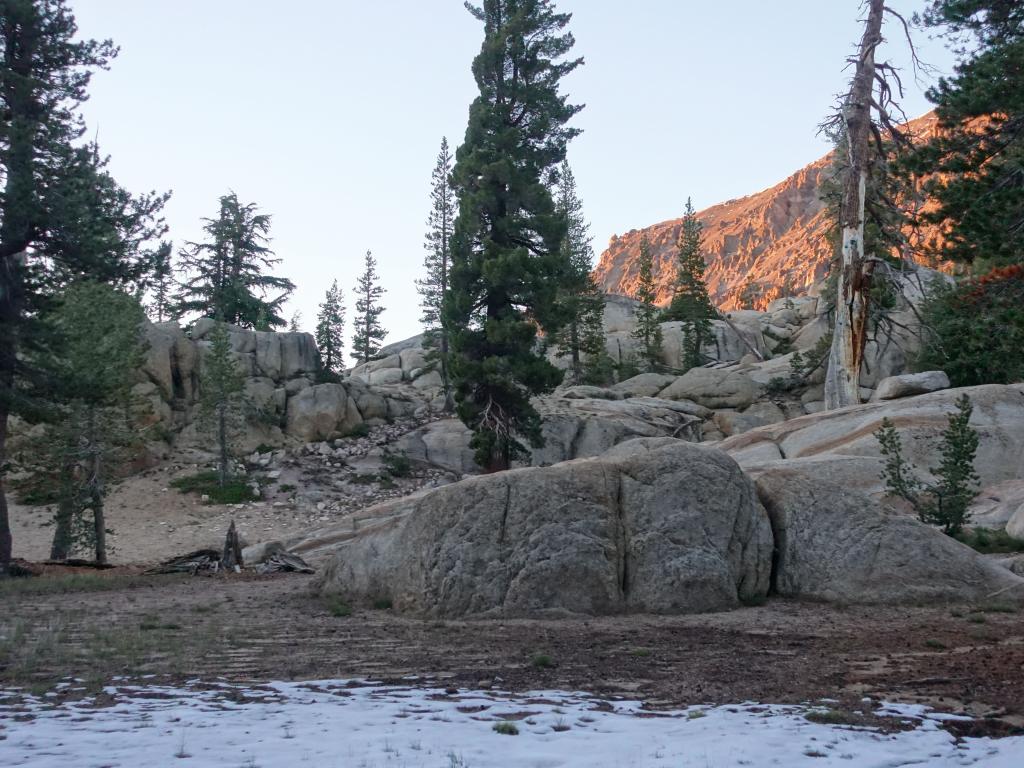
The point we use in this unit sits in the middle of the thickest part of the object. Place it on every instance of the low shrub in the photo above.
(336, 606)
(235, 491)
(362, 429)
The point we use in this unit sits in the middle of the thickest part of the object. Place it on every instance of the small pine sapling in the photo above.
(944, 503)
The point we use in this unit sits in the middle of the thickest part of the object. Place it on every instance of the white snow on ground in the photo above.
(334, 724)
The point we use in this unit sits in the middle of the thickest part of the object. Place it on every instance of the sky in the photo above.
(328, 114)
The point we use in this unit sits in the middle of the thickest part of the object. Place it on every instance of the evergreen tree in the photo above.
(62, 217)
(330, 329)
(647, 330)
(507, 242)
(99, 351)
(974, 163)
(228, 279)
(434, 286)
(163, 272)
(295, 324)
(691, 303)
(946, 501)
(369, 333)
(221, 385)
(582, 338)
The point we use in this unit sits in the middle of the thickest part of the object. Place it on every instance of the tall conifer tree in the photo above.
(221, 385)
(690, 301)
(437, 262)
(163, 277)
(647, 330)
(974, 163)
(507, 243)
(369, 333)
(330, 330)
(62, 216)
(582, 339)
(228, 277)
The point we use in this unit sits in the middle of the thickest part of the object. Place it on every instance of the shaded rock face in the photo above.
(659, 528)
(573, 428)
(776, 238)
(281, 397)
(836, 545)
(840, 446)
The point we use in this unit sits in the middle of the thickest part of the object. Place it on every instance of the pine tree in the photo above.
(221, 385)
(507, 241)
(62, 217)
(582, 339)
(369, 333)
(100, 350)
(228, 279)
(163, 272)
(647, 330)
(436, 262)
(947, 501)
(691, 303)
(974, 163)
(330, 329)
(295, 323)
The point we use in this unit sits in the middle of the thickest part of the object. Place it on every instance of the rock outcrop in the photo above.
(840, 546)
(840, 446)
(661, 527)
(774, 241)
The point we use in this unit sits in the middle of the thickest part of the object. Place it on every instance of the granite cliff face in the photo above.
(775, 238)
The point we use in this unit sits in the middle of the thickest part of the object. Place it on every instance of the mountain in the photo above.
(775, 239)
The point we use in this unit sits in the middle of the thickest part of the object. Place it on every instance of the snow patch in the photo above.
(356, 724)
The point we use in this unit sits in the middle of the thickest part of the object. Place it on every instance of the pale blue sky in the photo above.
(328, 113)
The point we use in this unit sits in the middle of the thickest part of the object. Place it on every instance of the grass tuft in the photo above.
(506, 728)
(336, 606)
(991, 542)
(235, 491)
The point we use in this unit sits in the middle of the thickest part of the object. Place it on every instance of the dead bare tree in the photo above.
(870, 119)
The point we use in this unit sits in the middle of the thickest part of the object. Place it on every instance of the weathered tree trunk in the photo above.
(232, 555)
(574, 345)
(6, 541)
(222, 445)
(60, 547)
(96, 492)
(842, 382)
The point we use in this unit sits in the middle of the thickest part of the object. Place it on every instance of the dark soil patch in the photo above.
(246, 627)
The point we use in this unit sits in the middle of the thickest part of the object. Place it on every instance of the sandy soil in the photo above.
(265, 628)
(152, 521)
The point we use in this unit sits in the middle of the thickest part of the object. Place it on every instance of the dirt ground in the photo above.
(151, 521)
(257, 628)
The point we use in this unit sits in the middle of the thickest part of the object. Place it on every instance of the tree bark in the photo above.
(6, 540)
(222, 444)
(842, 382)
(96, 492)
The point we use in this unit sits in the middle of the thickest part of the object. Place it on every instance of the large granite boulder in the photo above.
(443, 443)
(661, 528)
(321, 412)
(713, 388)
(836, 545)
(910, 384)
(1015, 526)
(643, 385)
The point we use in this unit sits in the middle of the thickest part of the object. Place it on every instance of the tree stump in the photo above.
(231, 559)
